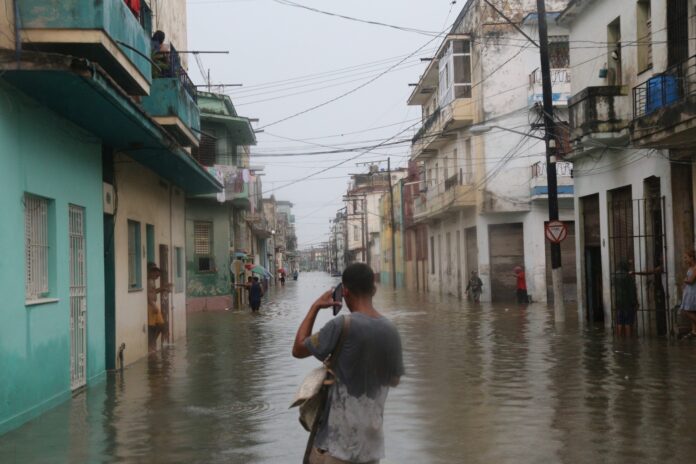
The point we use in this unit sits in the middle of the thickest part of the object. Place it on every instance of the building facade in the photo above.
(216, 225)
(93, 199)
(631, 130)
(482, 199)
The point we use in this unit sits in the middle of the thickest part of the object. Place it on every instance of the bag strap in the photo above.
(331, 358)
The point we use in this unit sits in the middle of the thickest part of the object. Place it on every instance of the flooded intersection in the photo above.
(483, 384)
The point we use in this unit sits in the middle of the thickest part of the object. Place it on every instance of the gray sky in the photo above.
(271, 45)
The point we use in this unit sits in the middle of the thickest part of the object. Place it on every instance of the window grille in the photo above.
(202, 238)
(36, 246)
(134, 261)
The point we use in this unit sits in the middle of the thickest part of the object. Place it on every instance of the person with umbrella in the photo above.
(255, 292)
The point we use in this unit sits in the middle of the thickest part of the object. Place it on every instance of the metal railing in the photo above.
(173, 68)
(427, 125)
(452, 182)
(672, 86)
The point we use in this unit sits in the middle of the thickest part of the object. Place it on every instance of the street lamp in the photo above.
(481, 129)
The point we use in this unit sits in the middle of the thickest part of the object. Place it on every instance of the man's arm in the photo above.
(299, 350)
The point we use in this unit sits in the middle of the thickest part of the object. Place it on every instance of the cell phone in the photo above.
(338, 296)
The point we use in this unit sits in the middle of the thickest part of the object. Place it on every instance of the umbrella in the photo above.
(259, 270)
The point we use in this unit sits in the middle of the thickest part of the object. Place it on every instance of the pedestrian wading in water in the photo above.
(688, 305)
(474, 287)
(349, 429)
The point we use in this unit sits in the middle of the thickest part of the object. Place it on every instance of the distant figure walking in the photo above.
(625, 299)
(282, 279)
(473, 289)
(688, 304)
(522, 297)
(255, 294)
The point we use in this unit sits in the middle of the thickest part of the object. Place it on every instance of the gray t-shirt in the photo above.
(351, 427)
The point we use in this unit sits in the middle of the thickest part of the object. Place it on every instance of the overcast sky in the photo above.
(273, 47)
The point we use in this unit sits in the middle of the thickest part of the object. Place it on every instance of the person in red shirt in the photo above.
(522, 297)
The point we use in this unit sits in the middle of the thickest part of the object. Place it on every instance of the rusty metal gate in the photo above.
(637, 236)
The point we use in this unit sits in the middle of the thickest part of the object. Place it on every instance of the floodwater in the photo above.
(483, 385)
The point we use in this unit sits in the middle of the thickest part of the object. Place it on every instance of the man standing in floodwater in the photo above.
(369, 363)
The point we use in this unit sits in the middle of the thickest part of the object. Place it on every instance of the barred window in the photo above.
(36, 243)
(203, 246)
(134, 256)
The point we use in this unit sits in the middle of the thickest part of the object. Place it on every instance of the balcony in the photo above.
(598, 117)
(560, 79)
(259, 226)
(664, 108)
(434, 132)
(172, 100)
(105, 32)
(236, 188)
(539, 185)
(455, 194)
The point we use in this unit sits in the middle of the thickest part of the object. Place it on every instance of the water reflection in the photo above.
(483, 384)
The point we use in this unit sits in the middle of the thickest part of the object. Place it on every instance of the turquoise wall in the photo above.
(200, 284)
(42, 154)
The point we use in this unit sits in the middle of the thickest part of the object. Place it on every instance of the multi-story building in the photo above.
(363, 217)
(632, 126)
(483, 199)
(216, 224)
(94, 169)
(337, 242)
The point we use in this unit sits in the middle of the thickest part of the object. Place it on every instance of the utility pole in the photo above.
(551, 152)
(393, 224)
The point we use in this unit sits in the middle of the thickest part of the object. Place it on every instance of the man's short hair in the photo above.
(359, 279)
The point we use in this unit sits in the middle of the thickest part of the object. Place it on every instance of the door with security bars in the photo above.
(637, 240)
(78, 298)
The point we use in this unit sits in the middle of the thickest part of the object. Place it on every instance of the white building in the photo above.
(631, 124)
(484, 193)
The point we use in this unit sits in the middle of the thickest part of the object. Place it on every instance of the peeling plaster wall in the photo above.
(170, 16)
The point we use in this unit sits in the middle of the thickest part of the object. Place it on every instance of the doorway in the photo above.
(506, 252)
(78, 298)
(164, 296)
(592, 254)
(459, 265)
(677, 31)
(471, 251)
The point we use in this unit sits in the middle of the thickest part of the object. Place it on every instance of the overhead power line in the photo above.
(351, 18)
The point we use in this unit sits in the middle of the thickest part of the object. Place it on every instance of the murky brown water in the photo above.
(483, 385)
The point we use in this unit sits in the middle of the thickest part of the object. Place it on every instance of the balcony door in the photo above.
(677, 31)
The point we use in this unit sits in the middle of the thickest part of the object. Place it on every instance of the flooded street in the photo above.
(482, 385)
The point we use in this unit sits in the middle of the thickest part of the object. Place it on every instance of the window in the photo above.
(455, 71)
(644, 34)
(134, 256)
(37, 252)
(559, 52)
(179, 270)
(203, 246)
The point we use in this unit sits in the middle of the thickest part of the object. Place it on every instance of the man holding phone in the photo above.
(369, 363)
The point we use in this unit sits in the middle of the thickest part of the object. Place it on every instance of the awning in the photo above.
(240, 128)
(82, 93)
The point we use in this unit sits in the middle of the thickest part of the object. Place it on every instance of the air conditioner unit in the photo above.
(109, 199)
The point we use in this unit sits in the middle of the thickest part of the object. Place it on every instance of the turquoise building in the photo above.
(219, 232)
(81, 122)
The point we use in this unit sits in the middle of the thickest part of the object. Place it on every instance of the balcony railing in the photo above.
(427, 125)
(674, 85)
(169, 66)
(452, 182)
(560, 84)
